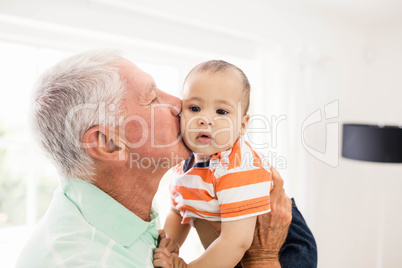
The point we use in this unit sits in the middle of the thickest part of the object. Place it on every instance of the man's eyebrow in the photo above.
(146, 93)
(151, 87)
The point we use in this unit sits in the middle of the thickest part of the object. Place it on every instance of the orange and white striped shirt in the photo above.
(234, 184)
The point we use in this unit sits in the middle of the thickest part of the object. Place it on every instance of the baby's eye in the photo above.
(221, 111)
(195, 108)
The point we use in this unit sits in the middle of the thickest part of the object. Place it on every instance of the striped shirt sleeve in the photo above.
(244, 194)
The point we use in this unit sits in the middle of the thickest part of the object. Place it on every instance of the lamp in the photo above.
(372, 143)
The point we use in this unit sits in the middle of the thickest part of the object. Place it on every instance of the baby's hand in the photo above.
(163, 258)
(166, 255)
(166, 241)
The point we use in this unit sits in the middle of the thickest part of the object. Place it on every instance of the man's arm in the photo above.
(271, 229)
(299, 249)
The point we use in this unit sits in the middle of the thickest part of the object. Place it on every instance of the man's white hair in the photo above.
(78, 93)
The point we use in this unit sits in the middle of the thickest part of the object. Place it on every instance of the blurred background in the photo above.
(313, 65)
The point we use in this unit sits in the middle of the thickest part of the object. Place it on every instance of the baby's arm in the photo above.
(174, 228)
(228, 249)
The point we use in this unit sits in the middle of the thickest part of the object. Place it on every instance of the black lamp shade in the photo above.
(372, 143)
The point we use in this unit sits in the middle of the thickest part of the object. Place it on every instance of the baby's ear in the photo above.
(244, 124)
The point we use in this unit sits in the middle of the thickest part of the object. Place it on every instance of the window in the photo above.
(27, 179)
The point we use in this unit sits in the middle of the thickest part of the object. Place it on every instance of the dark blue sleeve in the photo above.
(299, 249)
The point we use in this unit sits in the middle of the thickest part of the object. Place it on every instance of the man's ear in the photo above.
(103, 143)
(244, 124)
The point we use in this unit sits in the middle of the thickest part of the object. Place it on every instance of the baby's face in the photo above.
(212, 117)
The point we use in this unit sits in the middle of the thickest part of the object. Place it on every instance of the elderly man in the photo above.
(93, 112)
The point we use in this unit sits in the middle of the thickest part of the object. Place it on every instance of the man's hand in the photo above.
(166, 255)
(271, 229)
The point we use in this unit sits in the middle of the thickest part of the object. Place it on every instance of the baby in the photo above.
(223, 186)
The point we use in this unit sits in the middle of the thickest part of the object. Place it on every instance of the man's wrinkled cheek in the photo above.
(160, 135)
(135, 132)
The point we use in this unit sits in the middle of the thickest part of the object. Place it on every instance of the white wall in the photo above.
(356, 205)
(379, 185)
(303, 58)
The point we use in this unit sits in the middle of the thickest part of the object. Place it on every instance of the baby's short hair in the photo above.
(216, 66)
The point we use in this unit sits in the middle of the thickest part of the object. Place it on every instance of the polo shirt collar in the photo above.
(107, 215)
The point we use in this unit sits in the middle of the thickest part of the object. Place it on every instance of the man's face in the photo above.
(212, 116)
(152, 130)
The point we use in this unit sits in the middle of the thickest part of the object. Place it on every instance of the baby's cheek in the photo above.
(223, 138)
(183, 123)
(184, 130)
(188, 124)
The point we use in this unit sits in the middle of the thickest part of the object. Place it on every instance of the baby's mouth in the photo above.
(204, 137)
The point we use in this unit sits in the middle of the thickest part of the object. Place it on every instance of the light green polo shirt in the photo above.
(85, 227)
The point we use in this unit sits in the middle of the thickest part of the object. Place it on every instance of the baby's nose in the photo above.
(204, 121)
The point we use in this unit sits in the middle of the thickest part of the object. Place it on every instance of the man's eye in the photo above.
(154, 100)
(221, 111)
(195, 108)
